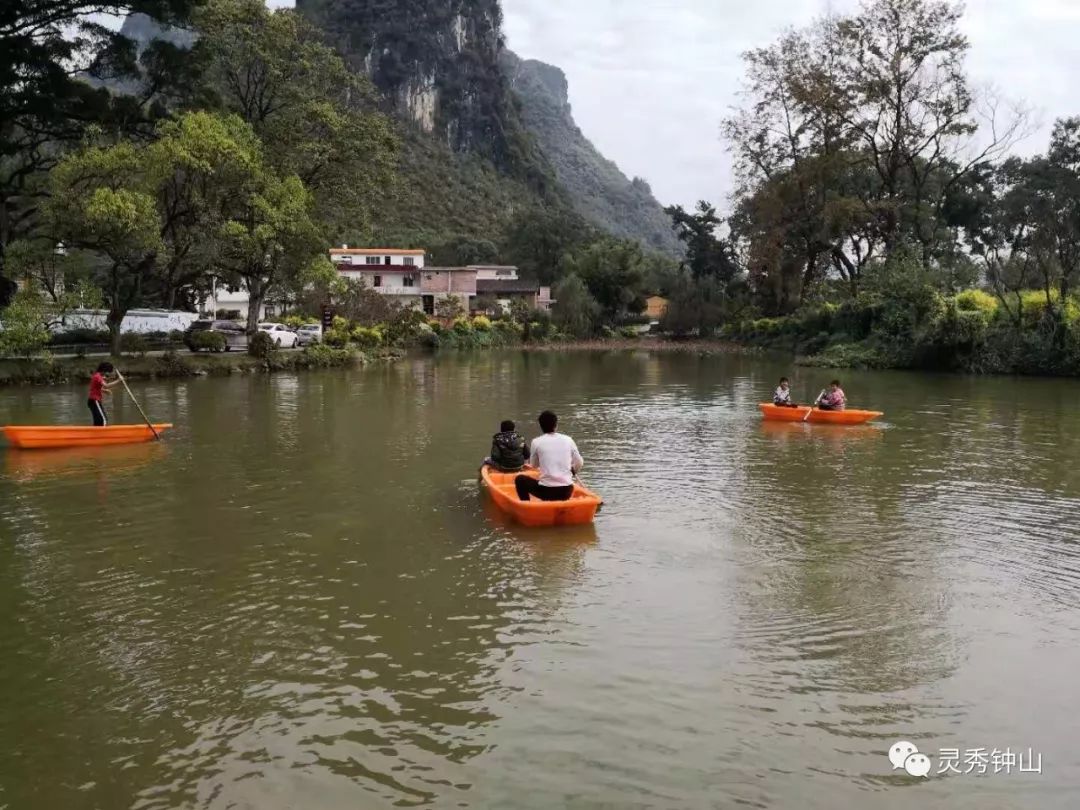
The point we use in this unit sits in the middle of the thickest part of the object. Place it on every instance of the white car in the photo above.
(280, 334)
(308, 334)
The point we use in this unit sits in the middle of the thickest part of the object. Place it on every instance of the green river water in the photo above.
(302, 600)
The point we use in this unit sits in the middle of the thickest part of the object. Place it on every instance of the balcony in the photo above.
(396, 289)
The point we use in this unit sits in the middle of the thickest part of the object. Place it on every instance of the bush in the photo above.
(508, 330)
(406, 325)
(319, 355)
(296, 321)
(206, 340)
(462, 326)
(261, 345)
(134, 343)
(82, 336)
(431, 340)
(170, 364)
(481, 323)
(23, 333)
(977, 301)
(336, 338)
(367, 337)
(630, 332)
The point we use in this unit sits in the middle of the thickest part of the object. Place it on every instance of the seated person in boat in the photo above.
(833, 399)
(509, 450)
(99, 389)
(557, 458)
(782, 396)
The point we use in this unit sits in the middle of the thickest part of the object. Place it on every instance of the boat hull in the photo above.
(43, 437)
(580, 509)
(845, 417)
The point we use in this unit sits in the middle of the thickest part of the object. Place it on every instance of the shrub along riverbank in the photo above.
(917, 327)
(60, 371)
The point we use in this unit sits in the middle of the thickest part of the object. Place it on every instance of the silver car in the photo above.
(308, 334)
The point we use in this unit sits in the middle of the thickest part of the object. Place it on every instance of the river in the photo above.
(299, 599)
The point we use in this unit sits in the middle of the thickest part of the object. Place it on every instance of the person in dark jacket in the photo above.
(509, 450)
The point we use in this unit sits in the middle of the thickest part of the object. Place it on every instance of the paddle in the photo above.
(149, 424)
(816, 401)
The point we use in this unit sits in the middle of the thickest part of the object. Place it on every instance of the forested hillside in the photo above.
(597, 189)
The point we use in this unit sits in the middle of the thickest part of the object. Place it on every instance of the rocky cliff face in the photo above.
(437, 62)
(598, 190)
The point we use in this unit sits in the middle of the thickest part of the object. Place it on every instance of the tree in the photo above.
(50, 269)
(24, 332)
(706, 253)
(269, 235)
(540, 241)
(857, 140)
(464, 250)
(614, 272)
(576, 311)
(210, 165)
(154, 213)
(104, 200)
(363, 305)
(697, 306)
(48, 49)
(316, 118)
(450, 307)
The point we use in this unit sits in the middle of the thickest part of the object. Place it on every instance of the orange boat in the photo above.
(845, 417)
(50, 436)
(581, 508)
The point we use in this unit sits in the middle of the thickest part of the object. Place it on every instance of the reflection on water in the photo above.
(303, 599)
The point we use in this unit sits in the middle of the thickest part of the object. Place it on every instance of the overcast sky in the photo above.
(650, 80)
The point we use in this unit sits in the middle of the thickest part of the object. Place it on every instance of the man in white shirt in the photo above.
(557, 458)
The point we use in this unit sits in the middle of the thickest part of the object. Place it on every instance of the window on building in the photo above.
(429, 304)
(270, 311)
(389, 260)
(373, 260)
(407, 281)
(377, 281)
(409, 261)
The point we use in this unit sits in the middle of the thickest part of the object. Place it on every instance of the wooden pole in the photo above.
(149, 424)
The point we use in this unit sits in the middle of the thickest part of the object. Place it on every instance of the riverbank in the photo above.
(176, 365)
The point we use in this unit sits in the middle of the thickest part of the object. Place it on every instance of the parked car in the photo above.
(280, 334)
(235, 336)
(308, 334)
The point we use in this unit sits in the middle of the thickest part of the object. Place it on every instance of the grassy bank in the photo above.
(174, 365)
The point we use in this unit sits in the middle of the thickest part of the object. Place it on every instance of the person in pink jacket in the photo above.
(833, 399)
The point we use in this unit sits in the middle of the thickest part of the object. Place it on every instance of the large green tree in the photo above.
(859, 136)
(614, 272)
(53, 56)
(317, 119)
(104, 200)
(157, 214)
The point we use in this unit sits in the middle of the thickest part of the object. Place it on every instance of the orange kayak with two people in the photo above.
(581, 508)
(40, 437)
(848, 416)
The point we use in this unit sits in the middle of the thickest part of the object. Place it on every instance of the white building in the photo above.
(136, 320)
